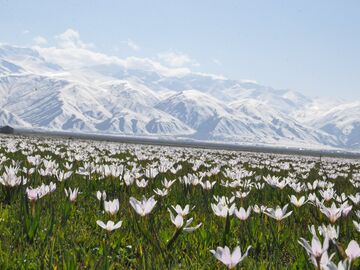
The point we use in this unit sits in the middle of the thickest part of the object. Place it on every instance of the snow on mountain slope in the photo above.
(342, 121)
(8, 68)
(193, 107)
(278, 124)
(8, 118)
(119, 98)
(114, 107)
(27, 58)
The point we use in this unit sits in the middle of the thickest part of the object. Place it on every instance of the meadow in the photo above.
(82, 204)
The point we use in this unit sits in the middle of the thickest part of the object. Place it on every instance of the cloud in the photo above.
(151, 65)
(176, 59)
(70, 39)
(132, 45)
(25, 32)
(71, 52)
(39, 40)
(217, 62)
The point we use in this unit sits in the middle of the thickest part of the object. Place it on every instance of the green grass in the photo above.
(53, 233)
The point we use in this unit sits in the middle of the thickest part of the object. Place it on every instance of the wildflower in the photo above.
(316, 250)
(9, 177)
(207, 185)
(243, 214)
(297, 202)
(143, 207)
(178, 221)
(180, 211)
(353, 250)
(142, 184)
(357, 225)
(342, 265)
(229, 259)
(333, 213)
(72, 194)
(162, 192)
(259, 209)
(222, 210)
(167, 184)
(110, 225)
(101, 195)
(331, 232)
(39, 192)
(278, 213)
(111, 207)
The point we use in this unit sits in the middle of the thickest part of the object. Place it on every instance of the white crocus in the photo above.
(110, 225)
(357, 225)
(242, 214)
(143, 207)
(333, 213)
(222, 210)
(224, 255)
(182, 211)
(316, 249)
(72, 194)
(162, 192)
(353, 250)
(297, 202)
(278, 213)
(111, 207)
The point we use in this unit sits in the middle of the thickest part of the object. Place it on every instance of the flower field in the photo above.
(72, 204)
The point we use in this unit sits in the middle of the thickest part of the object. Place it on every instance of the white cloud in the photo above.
(176, 59)
(70, 39)
(39, 40)
(132, 45)
(25, 32)
(249, 81)
(71, 52)
(217, 62)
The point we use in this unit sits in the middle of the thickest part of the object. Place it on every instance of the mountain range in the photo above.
(38, 92)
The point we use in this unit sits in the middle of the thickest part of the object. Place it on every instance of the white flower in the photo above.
(229, 259)
(259, 209)
(161, 193)
(178, 221)
(331, 232)
(109, 226)
(357, 225)
(333, 213)
(61, 176)
(143, 207)
(182, 212)
(167, 184)
(101, 195)
(72, 194)
(243, 214)
(297, 202)
(39, 192)
(342, 265)
(355, 198)
(316, 250)
(278, 213)
(9, 177)
(345, 209)
(143, 183)
(353, 250)
(222, 210)
(207, 185)
(111, 207)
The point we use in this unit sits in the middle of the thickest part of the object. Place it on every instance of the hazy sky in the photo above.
(310, 46)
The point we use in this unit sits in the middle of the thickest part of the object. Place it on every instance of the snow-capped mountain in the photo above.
(118, 98)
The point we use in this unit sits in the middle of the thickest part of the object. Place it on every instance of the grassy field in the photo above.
(173, 208)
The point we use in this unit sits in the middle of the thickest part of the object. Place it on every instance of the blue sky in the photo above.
(309, 46)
